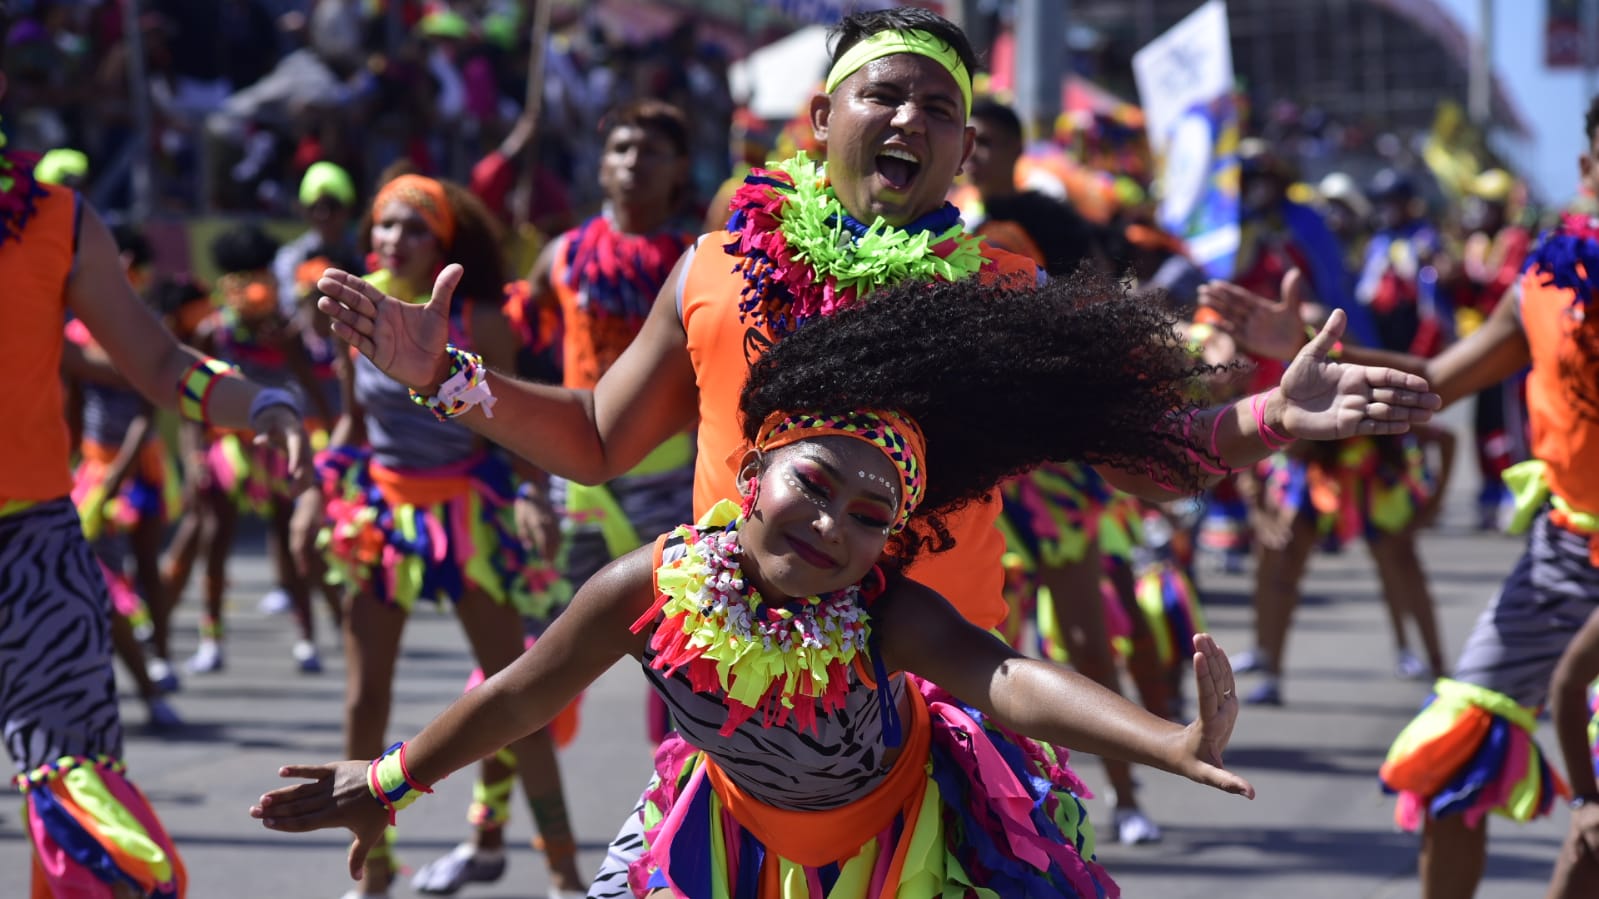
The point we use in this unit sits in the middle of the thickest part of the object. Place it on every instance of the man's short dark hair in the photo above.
(853, 29)
(652, 115)
(999, 116)
(1591, 121)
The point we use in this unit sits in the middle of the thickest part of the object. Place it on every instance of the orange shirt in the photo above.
(33, 466)
(590, 344)
(722, 349)
(1562, 436)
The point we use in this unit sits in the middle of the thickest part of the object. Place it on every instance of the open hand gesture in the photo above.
(1321, 399)
(1260, 326)
(337, 796)
(1208, 735)
(404, 340)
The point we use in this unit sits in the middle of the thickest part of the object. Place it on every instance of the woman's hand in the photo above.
(337, 796)
(1320, 399)
(405, 341)
(1261, 326)
(1204, 739)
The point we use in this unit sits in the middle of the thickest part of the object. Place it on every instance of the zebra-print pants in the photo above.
(611, 881)
(57, 690)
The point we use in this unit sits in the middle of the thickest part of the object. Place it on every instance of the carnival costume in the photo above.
(1359, 488)
(424, 511)
(149, 490)
(605, 282)
(90, 826)
(799, 688)
(252, 477)
(1471, 750)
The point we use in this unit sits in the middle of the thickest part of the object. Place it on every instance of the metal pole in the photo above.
(533, 106)
(1479, 101)
(139, 171)
(1040, 62)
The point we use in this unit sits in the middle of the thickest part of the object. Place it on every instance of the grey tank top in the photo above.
(781, 766)
(108, 412)
(403, 434)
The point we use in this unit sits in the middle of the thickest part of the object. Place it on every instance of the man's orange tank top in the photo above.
(1563, 436)
(723, 347)
(590, 344)
(34, 271)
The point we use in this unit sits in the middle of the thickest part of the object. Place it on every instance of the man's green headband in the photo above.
(888, 43)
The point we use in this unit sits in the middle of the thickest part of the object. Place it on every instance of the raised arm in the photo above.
(586, 640)
(1318, 399)
(1490, 354)
(923, 634)
(648, 395)
(149, 356)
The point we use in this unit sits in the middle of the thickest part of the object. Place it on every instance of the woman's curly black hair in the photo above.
(1001, 379)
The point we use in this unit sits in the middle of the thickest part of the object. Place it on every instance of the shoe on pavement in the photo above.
(1134, 827)
(161, 674)
(1411, 667)
(163, 716)
(1268, 693)
(462, 865)
(306, 657)
(207, 659)
(276, 602)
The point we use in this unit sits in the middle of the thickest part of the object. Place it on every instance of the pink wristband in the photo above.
(1257, 406)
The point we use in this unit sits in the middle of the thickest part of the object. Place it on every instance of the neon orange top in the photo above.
(590, 344)
(1562, 436)
(34, 270)
(722, 348)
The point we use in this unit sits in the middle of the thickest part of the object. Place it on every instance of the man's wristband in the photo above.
(267, 397)
(1582, 799)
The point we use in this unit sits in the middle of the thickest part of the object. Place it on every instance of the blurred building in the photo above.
(1383, 63)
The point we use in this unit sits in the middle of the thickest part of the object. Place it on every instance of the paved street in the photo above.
(1318, 828)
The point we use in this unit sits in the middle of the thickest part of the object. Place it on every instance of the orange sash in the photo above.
(815, 838)
(420, 490)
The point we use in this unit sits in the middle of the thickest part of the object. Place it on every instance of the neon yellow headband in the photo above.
(888, 43)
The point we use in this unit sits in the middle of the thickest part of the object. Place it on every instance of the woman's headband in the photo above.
(895, 434)
(424, 195)
(888, 43)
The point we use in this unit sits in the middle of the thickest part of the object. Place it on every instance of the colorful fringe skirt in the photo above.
(407, 535)
(253, 477)
(1469, 751)
(150, 490)
(92, 830)
(1355, 495)
(969, 809)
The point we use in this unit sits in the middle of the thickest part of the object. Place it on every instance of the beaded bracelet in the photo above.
(194, 388)
(467, 386)
(390, 781)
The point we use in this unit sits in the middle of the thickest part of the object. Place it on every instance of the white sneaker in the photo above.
(1134, 827)
(207, 659)
(161, 674)
(306, 657)
(276, 602)
(1410, 666)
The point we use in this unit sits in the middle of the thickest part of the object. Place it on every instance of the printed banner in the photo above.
(1185, 83)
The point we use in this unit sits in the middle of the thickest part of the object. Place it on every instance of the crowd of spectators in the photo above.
(244, 95)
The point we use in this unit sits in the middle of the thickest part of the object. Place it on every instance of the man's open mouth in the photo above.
(898, 168)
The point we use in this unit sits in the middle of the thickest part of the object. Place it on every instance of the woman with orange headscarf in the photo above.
(418, 508)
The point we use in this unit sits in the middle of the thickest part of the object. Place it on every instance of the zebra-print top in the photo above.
(843, 759)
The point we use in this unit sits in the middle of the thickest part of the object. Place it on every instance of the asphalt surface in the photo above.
(1319, 826)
